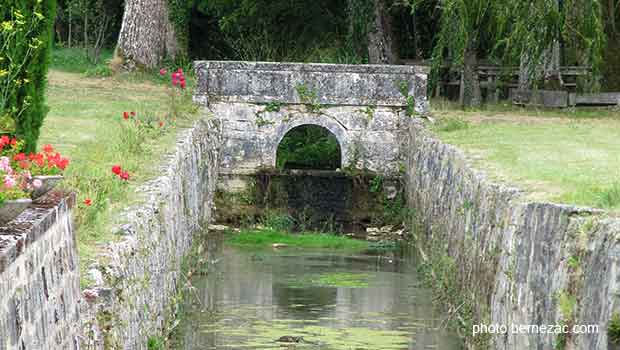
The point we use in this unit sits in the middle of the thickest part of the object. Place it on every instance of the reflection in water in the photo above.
(330, 299)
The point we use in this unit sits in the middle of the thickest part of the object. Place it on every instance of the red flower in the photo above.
(124, 176)
(88, 202)
(116, 169)
(13, 141)
(62, 163)
(24, 164)
(180, 71)
(19, 157)
(38, 158)
(4, 140)
(48, 149)
(133, 114)
(161, 124)
(182, 84)
(163, 72)
(125, 115)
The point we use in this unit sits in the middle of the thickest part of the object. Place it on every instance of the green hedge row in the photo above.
(26, 29)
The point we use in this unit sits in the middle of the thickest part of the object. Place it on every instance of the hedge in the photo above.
(26, 29)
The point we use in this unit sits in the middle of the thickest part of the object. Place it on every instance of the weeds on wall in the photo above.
(613, 329)
(403, 88)
(309, 97)
(441, 273)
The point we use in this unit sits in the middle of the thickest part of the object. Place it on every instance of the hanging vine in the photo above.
(361, 16)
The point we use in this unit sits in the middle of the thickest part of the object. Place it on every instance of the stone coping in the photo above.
(308, 172)
(313, 67)
(325, 84)
(31, 224)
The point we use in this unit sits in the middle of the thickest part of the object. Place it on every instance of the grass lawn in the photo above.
(569, 156)
(85, 123)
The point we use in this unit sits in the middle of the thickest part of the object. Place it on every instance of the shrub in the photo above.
(26, 37)
(278, 221)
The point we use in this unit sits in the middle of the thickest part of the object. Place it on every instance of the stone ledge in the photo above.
(316, 67)
(31, 224)
(332, 84)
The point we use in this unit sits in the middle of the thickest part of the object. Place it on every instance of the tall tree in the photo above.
(532, 30)
(147, 35)
(381, 45)
(460, 41)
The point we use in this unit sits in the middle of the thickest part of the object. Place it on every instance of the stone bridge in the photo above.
(367, 107)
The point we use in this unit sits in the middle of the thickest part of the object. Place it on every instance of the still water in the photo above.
(310, 299)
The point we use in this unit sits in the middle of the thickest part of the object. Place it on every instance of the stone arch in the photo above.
(333, 126)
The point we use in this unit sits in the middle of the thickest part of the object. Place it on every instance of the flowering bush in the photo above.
(178, 78)
(180, 102)
(49, 162)
(9, 147)
(15, 184)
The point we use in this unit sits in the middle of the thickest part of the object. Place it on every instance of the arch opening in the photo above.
(309, 147)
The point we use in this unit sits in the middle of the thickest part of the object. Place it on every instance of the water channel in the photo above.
(310, 299)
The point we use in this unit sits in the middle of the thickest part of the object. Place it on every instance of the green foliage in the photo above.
(75, 60)
(155, 343)
(376, 184)
(273, 107)
(26, 34)
(309, 147)
(462, 28)
(278, 221)
(266, 30)
(309, 97)
(89, 24)
(369, 111)
(403, 88)
(395, 211)
(527, 30)
(360, 15)
(613, 329)
(573, 262)
(441, 272)
(567, 304)
(180, 14)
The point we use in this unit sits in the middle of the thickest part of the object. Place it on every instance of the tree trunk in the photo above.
(470, 82)
(147, 36)
(85, 29)
(611, 13)
(70, 28)
(381, 48)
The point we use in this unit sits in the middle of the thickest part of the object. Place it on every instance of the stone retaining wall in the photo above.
(518, 262)
(39, 278)
(137, 278)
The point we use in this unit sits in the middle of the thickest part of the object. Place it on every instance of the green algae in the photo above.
(264, 335)
(265, 238)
